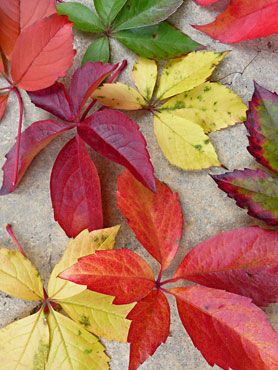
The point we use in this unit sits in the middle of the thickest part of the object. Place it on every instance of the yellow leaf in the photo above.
(18, 277)
(24, 344)
(144, 75)
(84, 244)
(211, 105)
(119, 96)
(183, 74)
(96, 313)
(72, 347)
(183, 142)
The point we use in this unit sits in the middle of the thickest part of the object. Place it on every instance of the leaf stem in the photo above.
(5, 88)
(170, 281)
(87, 110)
(18, 139)
(14, 239)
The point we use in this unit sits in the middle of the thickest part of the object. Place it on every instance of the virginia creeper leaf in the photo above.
(75, 189)
(149, 327)
(82, 17)
(116, 137)
(2, 66)
(108, 10)
(212, 105)
(183, 74)
(144, 75)
(64, 351)
(99, 50)
(119, 96)
(145, 13)
(155, 218)
(97, 314)
(183, 142)
(206, 2)
(121, 273)
(228, 329)
(84, 82)
(254, 190)
(15, 15)
(243, 20)
(55, 100)
(242, 261)
(36, 137)
(3, 104)
(84, 244)
(45, 52)
(18, 277)
(162, 41)
(25, 343)
(262, 125)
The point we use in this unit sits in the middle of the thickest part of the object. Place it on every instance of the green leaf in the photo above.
(98, 51)
(108, 9)
(83, 17)
(145, 13)
(161, 41)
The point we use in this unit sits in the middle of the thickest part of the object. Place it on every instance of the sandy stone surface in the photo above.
(206, 209)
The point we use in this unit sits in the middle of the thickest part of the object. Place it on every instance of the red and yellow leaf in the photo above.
(149, 327)
(228, 329)
(242, 261)
(155, 218)
(120, 273)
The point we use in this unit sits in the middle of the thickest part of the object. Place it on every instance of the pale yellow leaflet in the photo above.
(18, 277)
(144, 75)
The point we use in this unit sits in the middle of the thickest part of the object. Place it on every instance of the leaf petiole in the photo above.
(169, 281)
(14, 239)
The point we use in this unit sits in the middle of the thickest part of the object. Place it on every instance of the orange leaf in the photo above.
(3, 104)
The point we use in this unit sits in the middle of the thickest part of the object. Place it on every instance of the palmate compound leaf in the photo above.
(155, 218)
(254, 190)
(18, 277)
(243, 20)
(228, 329)
(242, 261)
(24, 344)
(108, 10)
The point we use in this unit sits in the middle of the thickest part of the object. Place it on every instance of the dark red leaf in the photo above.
(85, 81)
(228, 329)
(36, 137)
(242, 261)
(3, 104)
(155, 218)
(75, 190)
(149, 327)
(55, 100)
(116, 137)
(120, 273)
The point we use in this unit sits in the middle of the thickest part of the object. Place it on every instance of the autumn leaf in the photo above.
(205, 2)
(185, 109)
(3, 104)
(242, 20)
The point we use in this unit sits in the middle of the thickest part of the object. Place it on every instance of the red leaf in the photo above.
(55, 100)
(206, 2)
(2, 67)
(86, 80)
(3, 103)
(242, 261)
(120, 273)
(244, 20)
(116, 137)
(262, 118)
(75, 190)
(228, 329)
(155, 218)
(45, 52)
(254, 190)
(149, 327)
(36, 137)
(15, 15)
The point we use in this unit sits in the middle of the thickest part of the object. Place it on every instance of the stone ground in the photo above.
(207, 210)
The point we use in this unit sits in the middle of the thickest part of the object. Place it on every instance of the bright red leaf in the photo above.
(228, 329)
(2, 67)
(116, 137)
(75, 190)
(3, 104)
(206, 2)
(155, 218)
(149, 327)
(36, 137)
(45, 52)
(120, 273)
(15, 15)
(244, 20)
(242, 261)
